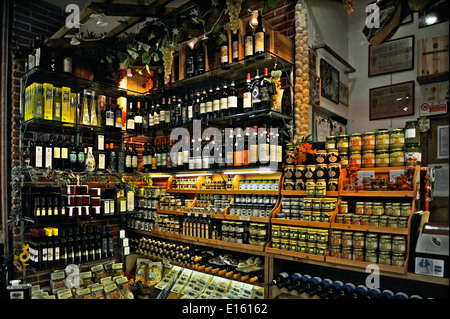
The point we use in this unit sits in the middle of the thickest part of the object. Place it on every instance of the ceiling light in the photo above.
(254, 18)
(101, 22)
(431, 19)
(193, 42)
(129, 74)
(75, 41)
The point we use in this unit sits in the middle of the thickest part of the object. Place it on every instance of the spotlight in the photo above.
(129, 74)
(101, 22)
(74, 41)
(193, 42)
(254, 18)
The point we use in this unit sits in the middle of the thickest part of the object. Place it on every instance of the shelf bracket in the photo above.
(349, 69)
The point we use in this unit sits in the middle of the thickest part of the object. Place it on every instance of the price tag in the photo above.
(244, 218)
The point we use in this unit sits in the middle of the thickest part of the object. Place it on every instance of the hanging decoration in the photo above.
(234, 8)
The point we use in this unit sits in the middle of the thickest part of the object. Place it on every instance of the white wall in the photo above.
(360, 83)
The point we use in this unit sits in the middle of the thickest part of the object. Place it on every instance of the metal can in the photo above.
(330, 142)
(358, 240)
(371, 241)
(276, 242)
(399, 244)
(396, 209)
(317, 203)
(284, 244)
(284, 230)
(385, 243)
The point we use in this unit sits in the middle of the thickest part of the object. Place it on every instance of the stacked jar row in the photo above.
(243, 233)
(393, 215)
(298, 177)
(316, 209)
(258, 184)
(300, 239)
(374, 248)
(252, 205)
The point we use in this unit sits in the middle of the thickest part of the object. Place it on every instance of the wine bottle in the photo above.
(130, 128)
(118, 117)
(216, 102)
(36, 152)
(249, 42)
(196, 115)
(265, 91)
(229, 152)
(372, 293)
(346, 290)
(184, 110)
(278, 280)
(200, 59)
(224, 101)
(81, 157)
(145, 157)
(256, 97)
(235, 46)
(209, 105)
(56, 247)
(178, 113)
(162, 114)
(56, 153)
(299, 285)
(359, 292)
(386, 294)
(400, 295)
(203, 99)
(260, 41)
(224, 55)
(158, 155)
(232, 99)
(153, 156)
(190, 66)
(128, 163)
(332, 290)
(186, 153)
(168, 112)
(48, 151)
(321, 287)
(145, 124)
(73, 155)
(164, 155)
(151, 118)
(156, 117)
(138, 119)
(239, 149)
(310, 285)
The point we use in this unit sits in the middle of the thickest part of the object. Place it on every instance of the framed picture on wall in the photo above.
(392, 101)
(312, 57)
(343, 93)
(329, 76)
(393, 56)
(314, 89)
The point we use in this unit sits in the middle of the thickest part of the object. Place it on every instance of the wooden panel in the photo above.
(432, 56)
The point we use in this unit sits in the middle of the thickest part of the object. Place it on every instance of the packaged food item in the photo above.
(123, 285)
(117, 270)
(154, 273)
(57, 280)
(98, 273)
(86, 278)
(382, 140)
(97, 291)
(112, 292)
(368, 141)
(141, 269)
(84, 293)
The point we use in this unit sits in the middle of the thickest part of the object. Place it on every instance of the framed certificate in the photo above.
(392, 101)
(393, 56)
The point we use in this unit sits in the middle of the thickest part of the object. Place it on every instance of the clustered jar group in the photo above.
(300, 239)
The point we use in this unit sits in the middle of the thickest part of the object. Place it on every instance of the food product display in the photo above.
(300, 239)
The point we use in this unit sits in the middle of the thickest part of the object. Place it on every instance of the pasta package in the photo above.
(57, 280)
(98, 272)
(154, 273)
(117, 270)
(112, 292)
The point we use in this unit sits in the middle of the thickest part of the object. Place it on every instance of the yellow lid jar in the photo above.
(397, 138)
(397, 157)
(355, 157)
(382, 140)
(355, 142)
(368, 142)
(382, 158)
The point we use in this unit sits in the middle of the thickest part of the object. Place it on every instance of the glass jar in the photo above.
(333, 156)
(311, 247)
(368, 159)
(405, 209)
(346, 253)
(392, 222)
(288, 184)
(397, 157)
(378, 209)
(310, 187)
(321, 171)
(307, 203)
(398, 259)
(356, 219)
(397, 138)
(335, 251)
(333, 170)
(317, 203)
(310, 169)
(371, 256)
(382, 158)
(289, 157)
(365, 220)
(383, 221)
(276, 242)
(342, 143)
(336, 237)
(303, 233)
(276, 231)
(347, 238)
(359, 208)
(402, 222)
(284, 231)
(299, 185)
(347, 219)
(293, 245)
(371, 241)
(284, 244)
(344, 158)
(262, 230)
(412, 135)
(321, 187)
(368, 142)
(358, 254)
(358, 240)
(382, 140)
(384, 258)
(343, 207)
(385, 243)
(355, 157)
(289, 171)
(321, 157)
(330, 142)
(368, 208)
(339, 219)
(396, 209)
(374, 220)
(293, 233)
(299, 171)
(387, 209)
(355, 142)
(399, 244)
(321, 249)
(312, 234)
(302, 246)
(326, 204)
(413, 155)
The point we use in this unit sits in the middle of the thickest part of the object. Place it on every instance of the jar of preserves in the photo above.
(396, 209)
(342, 143)
(397, 157)
(382, 140)
(392, 222)
(321, 187)
(317, 203)
(309, 173)
(339, 219)
(284, 231)
(359, 208)
(312, 234)
(371, 256)
(378, 209)
(368, 208)
(289, 157)
(334, 170)
(276, 242)
(413, 155)
(387, 209)
(346, 253)
(336, 237)
(312, 247)
(293, 233)
(383, 221)
(365, 220)
(276, 231)
(368, 159)
(347, 239)
(344, 158)
(371, 241)
(302, 246)
(284, 244)
(355, 157)
(368, 142)
(347, 219)
(333, 156)
(382, 158)
(307, 203)
(399, 244)
(299, 171)
(288, 184)
(343, 207)
(310, 187)
(355, 142)
(358, 254)
(397, 138)
(316, 216)
(402, 222)
(405, 209)
(356, 219)
(412, 132)
(321, 249)
(303, 233)
(358, 240)
(374, 220)
(321, 157)
(299, 185)
(293, 245)
(322, 236)
(335, 251)
(384, 258)
(321, 171)
(330, 142)
(385, 243)
(333, 203)
(326, 204)
(398, 259)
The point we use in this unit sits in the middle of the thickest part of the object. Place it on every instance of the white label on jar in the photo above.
(417, 155)
(410, 133)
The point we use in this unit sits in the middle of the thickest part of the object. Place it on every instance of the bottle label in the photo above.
(164, 159)
(162, 116)
(247, 100)
(167, 116)
(410, 133)
(232, 102)
(130, 124)
(158, 159)
(48, 157)
(128, 161)
(57, 109)
(223, 103)
(134, 161)
(151, 120)
(236, 50)
(216, 105)
(259, 42)
(57, 152)
(248, 46)
(190, 112)
(138, 119)
(190, 65)
(180, 158)
(264, 153)
(202, 108)
(224, 54)
(109, 118)
(209, 107)
(156, 119)
(253, 154)
(264, 94)
(101, 161)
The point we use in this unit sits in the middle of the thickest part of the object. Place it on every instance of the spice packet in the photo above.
(98, 272)
(111, 291)
(57, 280)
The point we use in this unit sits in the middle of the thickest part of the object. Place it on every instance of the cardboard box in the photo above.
(65, 104)
(48, 101)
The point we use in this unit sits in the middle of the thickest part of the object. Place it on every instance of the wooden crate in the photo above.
(432, 59)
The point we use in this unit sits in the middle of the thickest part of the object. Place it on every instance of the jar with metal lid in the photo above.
(333, 203)
(333, 156)
(239, 238)
(365, 220)
(346, 253)
(359, 208)
(368, 141)
(399, 244)
(385, 243)
(343, 207)
(299, 171)
(396, 209)
(384, 257)
(299, 185)
(317, 203)
(344, 158)
(336, 237)
(293, 233)
(378, 209)
(358, 254)
(284, 244)
(405, 209)
(307, 203)
(335, 251)
(312, 247)
(321, 171)
(371, 241)
(397, 138)
(333, 170)
(356, 219)
(310, 169)
(355, 157)
(382, 140)
(368, 208)
(289, 171)
(321, 187)
(339, 219)
(322, 236)
(398, 259)
(371, 256)
(387, 209)
(347, 239)
(321, 249)
(262, 230)
(289, 157)
(383, 221)
(276, 242)
(330, 142)
(413, 155)
(342, 143)
(355, 142)
(307, 213)
(347, 219)
(368, 159)
(293, 245)
(325, 204)
(382, 158)
(321, 157)
(239, 227)
(402, 222)
(276, 231)
(358, 240)
(312, 234)
(302, 246)
(288, 184)
(284, 231)
(412, 135)
(310, 187)
(303, 233)
(374, 220)
(397, 157)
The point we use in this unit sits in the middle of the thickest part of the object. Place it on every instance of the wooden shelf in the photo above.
(294, 254)
(301, 223)
(181, 191)
(253, 192)
(371, 229)
(364, 264)
(247, 218)
(377, 193)
(215, 191)
(170, 212)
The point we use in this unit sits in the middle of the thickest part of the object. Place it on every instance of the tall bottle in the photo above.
(56, 153)
(216, 102)
(156, 117)
(138, 119)
(145, 123)
(112, 158)
(73, 155)
(56, 248)
(81, 156)
(239, 149)
(200, 59)
(109, 114)
(110, 243)
(203, 99)
(346, 291)
(64, 162)
(64, 253)
(151, 118)
(168, 112)
(178, 112)
(94, 121)
(209, 105)
(232, 99)
(118, 118)
(256, 97)
(299, 285)
(134, 159)
(48, 152)
(249, 46)
(50, 248)
(128, 159)
(190, 65)
(196, 115)
(265, 91)
(310, 285)
(235, 46)
(130, 119)
(260, 41)
(152, 155)
(70, 247)
(224, 52)
(145, 161)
